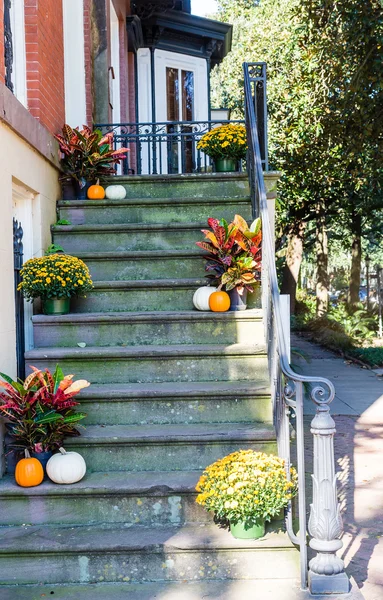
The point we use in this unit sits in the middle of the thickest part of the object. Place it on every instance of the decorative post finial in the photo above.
(326, 569)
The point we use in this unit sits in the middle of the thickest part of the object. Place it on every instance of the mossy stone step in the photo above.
(167, 447)
(90, 554)
(128, 237)
(152, 210)
(193, 185)
(264, 589)
(186, 403)
(148, 328)
(144, 499)
(141, 265)
(156, 364)
(148, 295)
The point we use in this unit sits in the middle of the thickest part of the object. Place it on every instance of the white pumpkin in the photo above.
(201, 297)
(66, 467)
(115, 192)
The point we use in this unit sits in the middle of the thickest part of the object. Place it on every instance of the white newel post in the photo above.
(326, 569)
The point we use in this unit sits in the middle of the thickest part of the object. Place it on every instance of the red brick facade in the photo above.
(44, 48)
(45, 62)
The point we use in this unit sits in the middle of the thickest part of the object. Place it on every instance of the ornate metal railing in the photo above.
(325, 573)
(18, 256)
(8, 45)
(163, 148)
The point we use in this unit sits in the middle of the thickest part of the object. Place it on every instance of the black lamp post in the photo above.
(367, 261)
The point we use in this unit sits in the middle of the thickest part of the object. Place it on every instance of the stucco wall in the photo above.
(22, 165)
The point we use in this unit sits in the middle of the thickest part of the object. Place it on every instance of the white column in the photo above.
(19, 71)
(74, 62)
(115, 91)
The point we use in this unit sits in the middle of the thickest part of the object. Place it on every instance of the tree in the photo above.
(325, 70)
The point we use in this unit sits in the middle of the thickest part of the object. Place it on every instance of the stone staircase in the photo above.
(173, 389)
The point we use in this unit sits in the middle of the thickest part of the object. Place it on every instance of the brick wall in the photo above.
(1, 42)
(45, 62)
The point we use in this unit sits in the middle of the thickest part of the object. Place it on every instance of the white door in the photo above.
(181, 98)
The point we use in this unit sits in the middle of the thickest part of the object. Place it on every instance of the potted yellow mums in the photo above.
(55, 278)
(226, 145)
(246, 488)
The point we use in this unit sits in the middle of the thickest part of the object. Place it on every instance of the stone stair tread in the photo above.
(114, 483)
(147, 351)
(180, 389)
(148, 283)
(150, 201)
(264, 589)
(170, 433)
(132, 254)
(190, 315)
(102, 538)
(119, 227)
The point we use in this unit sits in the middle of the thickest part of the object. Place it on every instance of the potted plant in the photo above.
(40, 411)
(226, 145)
(234, 257)
(246, 488)
(86, 156)
(55, 278)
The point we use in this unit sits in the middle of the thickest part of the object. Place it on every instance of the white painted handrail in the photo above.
(326, 571)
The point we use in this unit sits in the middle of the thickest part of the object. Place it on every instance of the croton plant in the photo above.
(234, 252)
(88, 155)
(40, 411)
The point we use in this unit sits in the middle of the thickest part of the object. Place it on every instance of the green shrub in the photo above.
(371, 356)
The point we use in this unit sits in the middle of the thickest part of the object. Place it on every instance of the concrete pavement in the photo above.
(358, 413)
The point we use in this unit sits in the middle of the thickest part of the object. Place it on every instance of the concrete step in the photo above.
(141, 265)
(167, 447)
(128, 237)
(265, 589)
(196, 185)
(226, 589)
(91, 554)
(145, 499)
(187, 403)
(148, 328)
(156, 364)
(149, 295)
(153, 210)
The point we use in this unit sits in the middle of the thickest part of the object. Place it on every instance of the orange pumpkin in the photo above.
(219, 302)
(96, 192)
(29, 471)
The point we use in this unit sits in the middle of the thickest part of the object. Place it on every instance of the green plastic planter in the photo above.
(249, 530)
(56, 306)
(225, 165)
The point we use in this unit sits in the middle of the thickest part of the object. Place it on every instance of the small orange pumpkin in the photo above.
(219, 302)
(96, 192)
(29, 471)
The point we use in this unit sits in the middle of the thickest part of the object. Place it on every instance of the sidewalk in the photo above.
(358, 413)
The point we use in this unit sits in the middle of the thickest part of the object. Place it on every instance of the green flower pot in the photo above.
(56, 306)
(249, 530)
(225, 165)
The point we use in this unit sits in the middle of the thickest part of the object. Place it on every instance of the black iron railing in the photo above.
(18, 254)
(163, 148)
(171, 146)
(8, 45)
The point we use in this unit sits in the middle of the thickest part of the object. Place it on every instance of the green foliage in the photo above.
(371, 356)
(54, 249)
(62, 222)
(341, 328)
